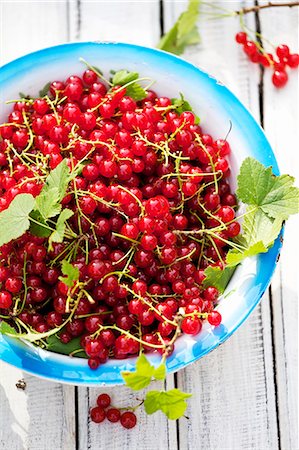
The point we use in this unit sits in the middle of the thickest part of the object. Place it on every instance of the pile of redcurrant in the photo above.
(152, 209)
(278, 62)
(104, 410)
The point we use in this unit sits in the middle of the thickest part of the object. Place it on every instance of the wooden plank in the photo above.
(43, 416)
(27, 26)
(151, 432)
(134, 22)
(234, 397)
(281, 111)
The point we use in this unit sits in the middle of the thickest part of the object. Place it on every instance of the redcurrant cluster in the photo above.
(105, 410)
(152, 209)
(278, 62)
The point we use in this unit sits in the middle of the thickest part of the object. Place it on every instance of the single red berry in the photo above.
(93, 363)
(89, 77)
(214, 318)
(128, 419)
(250, 48)
(279, 78)
(113, 415)
(241, 37)
(104, 400)
(97, 414)
(157, 207)
(13, 285)
(293, 60)
(282, 51)
(5, 300)
(191, 325)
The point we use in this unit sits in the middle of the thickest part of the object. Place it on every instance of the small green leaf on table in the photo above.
(172, 403)
(144, 374)
(184, 32)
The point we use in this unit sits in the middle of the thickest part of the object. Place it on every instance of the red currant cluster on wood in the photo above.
(104, 410)
(278, 62)
(152, 209)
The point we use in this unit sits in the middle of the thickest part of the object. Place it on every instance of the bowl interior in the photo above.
(217, 108)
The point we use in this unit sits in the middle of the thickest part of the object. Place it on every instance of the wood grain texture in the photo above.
(27, 26)
(135, 22)
(245, 391)
(43, 416)
(281, 111)
(235, 405)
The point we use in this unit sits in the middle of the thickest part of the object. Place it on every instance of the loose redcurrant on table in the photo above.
(128, 419)
(278, 62)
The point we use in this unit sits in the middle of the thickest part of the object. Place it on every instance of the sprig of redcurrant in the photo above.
(104, 410)
(278, 62)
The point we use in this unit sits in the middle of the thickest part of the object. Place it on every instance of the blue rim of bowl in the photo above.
(64, 369)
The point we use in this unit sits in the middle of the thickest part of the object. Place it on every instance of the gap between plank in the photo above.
(262, 70)
(78, 24)
(275, 366)
(161, 14)
(76, 418)
(68, 24)
(175, 376)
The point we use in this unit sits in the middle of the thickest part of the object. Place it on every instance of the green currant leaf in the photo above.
(29, 335)
(123, 77)
(58, 234)
(182, 105)
(55, 345)
(71, 273)
(172, 403)
(144, 374)
(5, 328)
(274, 195)
(39, 229)
(136, 91)
(217, 277)
(258, 227)
(14, 220)
(234, 257)
(44, 91)
(58, 178)
(48, 203)
(184, 32)
(160, 372)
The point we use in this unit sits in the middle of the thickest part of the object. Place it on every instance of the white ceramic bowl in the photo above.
(216, 107)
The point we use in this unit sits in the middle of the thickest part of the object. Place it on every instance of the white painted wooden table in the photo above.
(245, 392)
